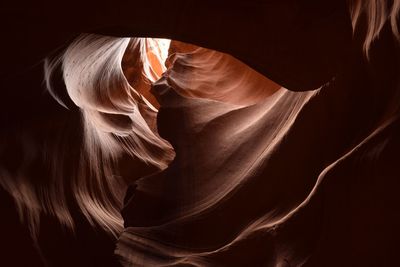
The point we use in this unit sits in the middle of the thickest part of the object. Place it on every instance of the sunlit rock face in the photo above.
(226, 167)
(259, 173)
